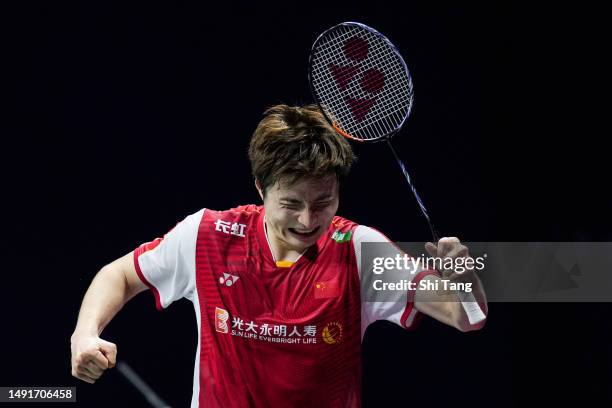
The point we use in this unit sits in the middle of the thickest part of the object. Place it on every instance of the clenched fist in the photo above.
(91, 356)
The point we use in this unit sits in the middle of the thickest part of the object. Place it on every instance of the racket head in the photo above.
(360, 81)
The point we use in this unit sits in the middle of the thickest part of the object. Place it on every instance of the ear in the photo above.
(259, 190)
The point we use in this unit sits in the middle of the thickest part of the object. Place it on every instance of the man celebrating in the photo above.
(276, 288)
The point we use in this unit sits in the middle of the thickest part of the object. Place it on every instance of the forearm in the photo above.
(444, 304)
(106, 295)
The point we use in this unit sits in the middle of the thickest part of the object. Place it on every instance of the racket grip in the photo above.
(472, 308)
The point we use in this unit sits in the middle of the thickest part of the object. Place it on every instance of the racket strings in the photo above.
(367, 104)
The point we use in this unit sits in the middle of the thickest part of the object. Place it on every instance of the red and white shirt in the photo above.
(273, 334)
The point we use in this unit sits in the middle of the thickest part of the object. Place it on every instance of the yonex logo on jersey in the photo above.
(227, 279)
(332, 333)
(230, 228)
(221, 318)
(341, 237)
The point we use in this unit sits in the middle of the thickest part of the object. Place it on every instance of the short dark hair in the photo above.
(294, 142)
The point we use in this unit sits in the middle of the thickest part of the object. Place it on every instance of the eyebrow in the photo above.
(322, 197)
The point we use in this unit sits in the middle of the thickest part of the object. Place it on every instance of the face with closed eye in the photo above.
(298, 214)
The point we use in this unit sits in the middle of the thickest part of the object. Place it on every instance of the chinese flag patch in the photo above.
(326, 289)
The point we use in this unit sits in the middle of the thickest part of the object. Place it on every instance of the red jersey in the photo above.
(273, 334)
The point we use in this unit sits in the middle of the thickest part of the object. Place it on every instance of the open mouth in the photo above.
(304, 233)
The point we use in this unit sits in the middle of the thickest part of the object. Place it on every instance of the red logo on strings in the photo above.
(372, 81)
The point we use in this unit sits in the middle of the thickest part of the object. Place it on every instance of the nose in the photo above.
(307, 218)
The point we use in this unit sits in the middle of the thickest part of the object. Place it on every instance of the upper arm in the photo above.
(125, 265)
(167, 265)
(392, 305)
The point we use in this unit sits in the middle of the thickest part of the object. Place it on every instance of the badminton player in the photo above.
(276, 287)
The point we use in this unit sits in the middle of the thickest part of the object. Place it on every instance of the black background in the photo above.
(123, 118)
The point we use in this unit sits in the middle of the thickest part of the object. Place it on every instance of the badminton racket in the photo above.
(363, 87)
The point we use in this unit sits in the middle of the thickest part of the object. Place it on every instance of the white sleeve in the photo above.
(167, 265)
(398, 306)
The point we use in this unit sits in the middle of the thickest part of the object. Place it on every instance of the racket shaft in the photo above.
(138, 383)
